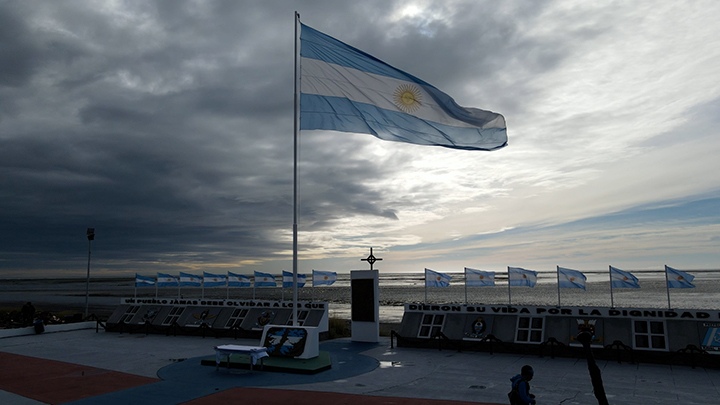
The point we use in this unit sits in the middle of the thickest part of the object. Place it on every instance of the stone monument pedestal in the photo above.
(365, 311)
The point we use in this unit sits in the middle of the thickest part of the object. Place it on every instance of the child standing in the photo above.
(520, 393)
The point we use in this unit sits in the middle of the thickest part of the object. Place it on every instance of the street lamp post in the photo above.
(90, 237)
(585, 338)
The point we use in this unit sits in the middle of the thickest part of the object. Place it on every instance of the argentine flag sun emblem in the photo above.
(407, 97)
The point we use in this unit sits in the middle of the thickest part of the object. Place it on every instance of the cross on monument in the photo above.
(370, 259)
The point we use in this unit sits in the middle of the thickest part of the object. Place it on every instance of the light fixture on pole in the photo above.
(90, 237)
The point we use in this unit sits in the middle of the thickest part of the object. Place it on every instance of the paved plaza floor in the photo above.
(85, 367)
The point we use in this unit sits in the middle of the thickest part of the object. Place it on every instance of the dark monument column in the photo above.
(365, 303)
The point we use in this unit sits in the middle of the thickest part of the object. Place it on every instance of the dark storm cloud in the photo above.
(167, 126)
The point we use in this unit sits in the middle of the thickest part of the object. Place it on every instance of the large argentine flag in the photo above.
(345, 89)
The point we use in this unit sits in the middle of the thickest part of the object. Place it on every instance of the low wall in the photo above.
(63, 327)
(634, 334)
(232, 318)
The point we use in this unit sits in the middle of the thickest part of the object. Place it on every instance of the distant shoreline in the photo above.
(396, 290)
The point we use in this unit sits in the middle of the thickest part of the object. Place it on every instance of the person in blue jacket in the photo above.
(520, 393)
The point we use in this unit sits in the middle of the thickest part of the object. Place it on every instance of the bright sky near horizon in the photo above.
(167, 126)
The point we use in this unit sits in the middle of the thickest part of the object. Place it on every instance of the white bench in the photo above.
(255, 352)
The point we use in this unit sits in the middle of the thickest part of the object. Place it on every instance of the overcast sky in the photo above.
(168, 127)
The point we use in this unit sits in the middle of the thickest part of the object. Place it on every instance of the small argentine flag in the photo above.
(623, 279)
(678, 279)
(288, 279)
(214, 280)
(436, 279)
(323, 277)
(166, 280)
(238, 280)
(264, 280)
(190, 280)
(144, 281)
(569, 278)
(518, 277)
(479, 278)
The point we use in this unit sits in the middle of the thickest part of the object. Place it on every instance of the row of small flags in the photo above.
(517, 276)
(567, 278)
(231, 279)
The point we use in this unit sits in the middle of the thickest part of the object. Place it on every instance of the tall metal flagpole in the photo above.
(296, 104)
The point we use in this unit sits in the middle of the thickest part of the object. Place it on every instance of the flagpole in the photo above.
(425, 279)
(667, 287)
(557, 269)
(612, 303)
(296, 104)
(509, 297)
(466, 301)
